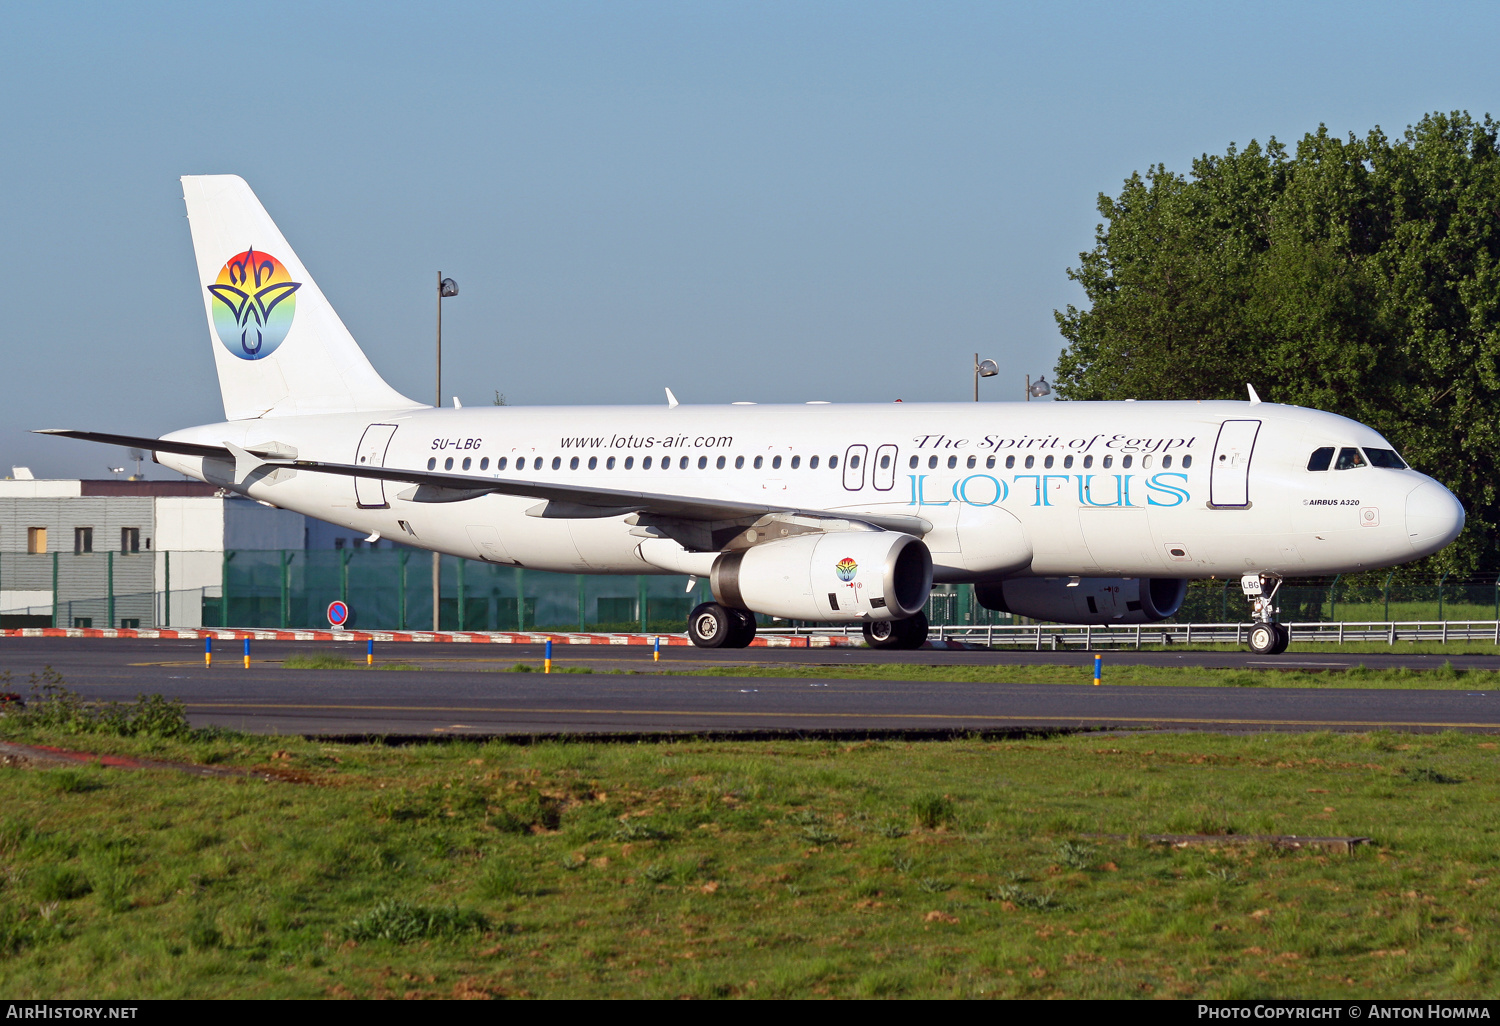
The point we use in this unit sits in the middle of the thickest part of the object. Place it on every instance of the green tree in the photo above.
(1360, 276)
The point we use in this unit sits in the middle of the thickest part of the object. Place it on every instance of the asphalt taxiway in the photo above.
(457, 689)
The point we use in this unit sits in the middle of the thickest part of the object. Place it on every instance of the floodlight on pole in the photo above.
(1038, 388)
(447, 288)
(983, 369)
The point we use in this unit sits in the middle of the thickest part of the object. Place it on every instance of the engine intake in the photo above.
(1092, 600)
(844, 576)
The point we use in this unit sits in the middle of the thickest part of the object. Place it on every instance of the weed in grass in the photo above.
(59, 883)
(1075, 855)
(319, 661)
(891, 830)
(55, 708)
(657, 873)
(639, 830)
(932, 885)
(819, 835)
(522, 668)
(1428, 775)
(901, 864)
(573, 862)
(1222, 874)
(403, 922)
(1020, 897)
(932, 810)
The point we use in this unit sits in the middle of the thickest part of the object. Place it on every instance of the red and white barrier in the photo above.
(459, 637)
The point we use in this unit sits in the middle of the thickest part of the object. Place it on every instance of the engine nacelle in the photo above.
(845, 576)
(1092, 600)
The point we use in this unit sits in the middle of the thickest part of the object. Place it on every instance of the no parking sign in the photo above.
(339, 613)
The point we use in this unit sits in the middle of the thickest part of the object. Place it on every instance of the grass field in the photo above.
(764, 869)
(1445, 677)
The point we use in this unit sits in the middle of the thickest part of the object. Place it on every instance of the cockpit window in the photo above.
(1385, 458)
(1320, 458)
(1349, 458)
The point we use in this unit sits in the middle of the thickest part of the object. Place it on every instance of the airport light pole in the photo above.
(1037, 390)
(983, 369)
(446, 288)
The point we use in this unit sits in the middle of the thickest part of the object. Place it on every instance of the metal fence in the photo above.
(391, 589)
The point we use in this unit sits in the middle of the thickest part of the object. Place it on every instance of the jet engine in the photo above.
(845, 576)
(1086, 600)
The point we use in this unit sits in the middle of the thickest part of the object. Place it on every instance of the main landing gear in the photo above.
(711, 625)
(1267, 637)
(908, 633)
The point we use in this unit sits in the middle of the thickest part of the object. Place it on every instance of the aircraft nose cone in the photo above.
(1433, 517)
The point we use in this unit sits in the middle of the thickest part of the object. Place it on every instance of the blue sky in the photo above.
(763, 201)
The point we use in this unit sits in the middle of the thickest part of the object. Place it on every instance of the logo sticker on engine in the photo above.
(846, 569)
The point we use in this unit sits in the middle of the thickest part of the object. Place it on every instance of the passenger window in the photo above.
(989, 463)
(1386, 458)
(739, 462)
(759, 462)
(1145, 462)
(973, 462)
(1030, 462)
(500, 463)
(609, 464)
(719, 463)
(1067, 463)
(952, 462)
(812, 464)
(1088, 461)
(468, 463)
(1187, 461)
(776, 463)
(1349, 458)
(932, 463)
(853, 462)
(1109, 461)
(702, 462)
(593, 463)
(885, 461)
(573, 463)
(1166, 463)
(1127, 461)
(1047, 462)
(833, 463)
(1010, 463)
(557, 463)
(432, 463)
(682, 463)
(1321, 458)
(914, 461)
(646, 463)
(796, 462)
(448, 463)
(629, 462)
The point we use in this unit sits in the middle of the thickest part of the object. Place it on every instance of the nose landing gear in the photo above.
(1267, 637)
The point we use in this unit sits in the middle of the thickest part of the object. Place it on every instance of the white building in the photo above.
(124, 553)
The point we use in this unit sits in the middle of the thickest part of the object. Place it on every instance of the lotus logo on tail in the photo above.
(254, 303)
(846, 569)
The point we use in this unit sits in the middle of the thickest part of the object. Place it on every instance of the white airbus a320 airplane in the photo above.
(1074, 512)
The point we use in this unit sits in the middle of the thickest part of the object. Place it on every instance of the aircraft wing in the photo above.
(563, 501)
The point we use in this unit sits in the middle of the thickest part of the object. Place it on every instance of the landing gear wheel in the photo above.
(743, 630)
(1268, 639)
(710, 625)
(897, 634)
(1285, 634)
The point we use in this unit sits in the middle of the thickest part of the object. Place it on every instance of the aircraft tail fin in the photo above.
(279, 346)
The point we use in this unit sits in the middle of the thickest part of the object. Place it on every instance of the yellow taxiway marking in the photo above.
(840, 716)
